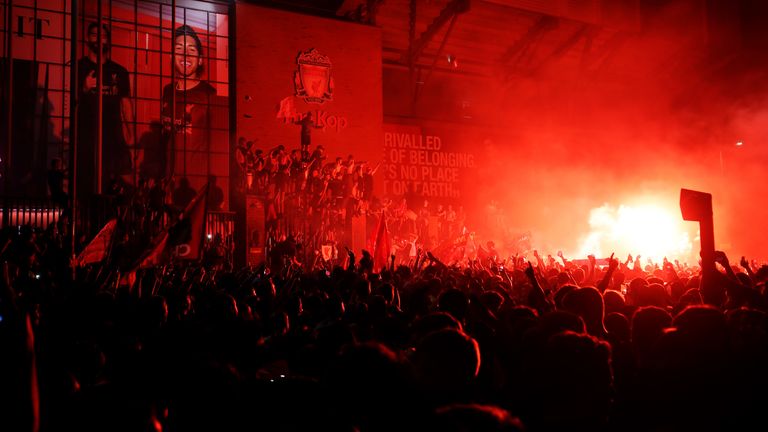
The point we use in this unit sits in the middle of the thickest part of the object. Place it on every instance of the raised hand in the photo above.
(562, 257)
(722, 259)
(613, 263)
(744, 263)
(529, 271)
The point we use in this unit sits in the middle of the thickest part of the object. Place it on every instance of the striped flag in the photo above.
(98, 248)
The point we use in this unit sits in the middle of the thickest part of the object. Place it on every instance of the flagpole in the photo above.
(110, 245)
(73, 102)
(204, 226)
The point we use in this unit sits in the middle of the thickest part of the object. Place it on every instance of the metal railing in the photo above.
(220, 224)
(35, 212)
(93, 214)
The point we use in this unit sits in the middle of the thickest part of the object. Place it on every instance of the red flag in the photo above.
(327, 252)
(188, 234)
(184, 239)
(97, 249)
(157, 254)
(381, 244)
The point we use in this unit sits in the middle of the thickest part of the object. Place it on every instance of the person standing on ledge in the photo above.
(307, 124)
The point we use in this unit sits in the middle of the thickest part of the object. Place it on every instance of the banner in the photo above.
(429, 165)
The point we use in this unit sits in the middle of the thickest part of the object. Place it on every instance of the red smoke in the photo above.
(665, 112)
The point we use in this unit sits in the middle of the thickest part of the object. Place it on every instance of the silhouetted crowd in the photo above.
(482, 346)
(304, 193)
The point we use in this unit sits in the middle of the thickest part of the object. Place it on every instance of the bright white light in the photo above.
(739, 143)
(648, 230)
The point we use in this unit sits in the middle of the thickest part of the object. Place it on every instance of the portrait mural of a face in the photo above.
(141, 51)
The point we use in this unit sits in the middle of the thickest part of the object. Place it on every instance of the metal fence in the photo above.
(92, 215)
(221, 224)
(39, 213)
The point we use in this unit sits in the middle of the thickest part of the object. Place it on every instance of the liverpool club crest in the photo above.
(313, 79)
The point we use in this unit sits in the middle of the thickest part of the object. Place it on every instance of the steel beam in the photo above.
(416, 46)
(542, 25)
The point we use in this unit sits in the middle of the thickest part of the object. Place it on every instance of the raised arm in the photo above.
(745, 264)
(590, 277)
(613, 264)
(625, 266)
(434, 260)
(737, 293)
(376, 169)
(669, 268)
(722, 259)
(536, 297)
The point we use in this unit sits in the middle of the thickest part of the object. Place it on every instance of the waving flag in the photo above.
(98, 248)
(157, 254)
(381, 244)
(186, 236)
(183, 239)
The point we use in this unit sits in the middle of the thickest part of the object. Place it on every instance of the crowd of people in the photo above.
(315, 200)
(304, 192)
(482, 345)
(143, 213)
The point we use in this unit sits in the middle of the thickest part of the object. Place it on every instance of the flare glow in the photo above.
(648, 230)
